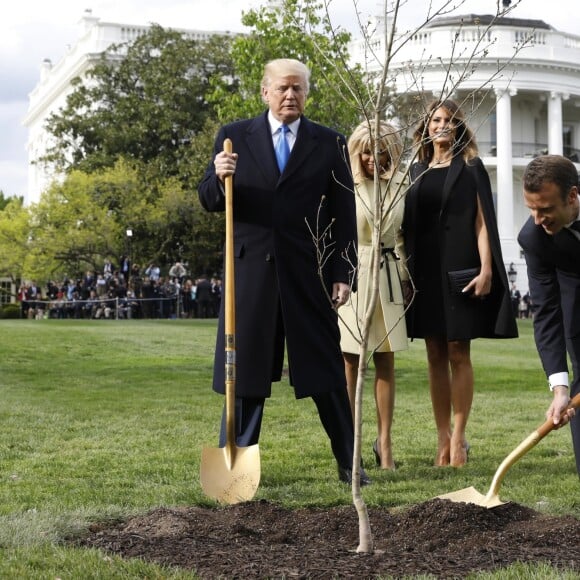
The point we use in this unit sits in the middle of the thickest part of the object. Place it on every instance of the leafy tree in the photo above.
(143, 100)
(71, 231)
(83, 220)
(5, 200)
(14, 232)
(143, 106)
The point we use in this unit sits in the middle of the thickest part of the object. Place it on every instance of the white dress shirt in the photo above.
(277, 134)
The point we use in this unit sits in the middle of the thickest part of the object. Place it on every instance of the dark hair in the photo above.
(554, 169)
(464, 144)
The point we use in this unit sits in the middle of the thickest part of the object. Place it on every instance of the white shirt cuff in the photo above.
(558, 380)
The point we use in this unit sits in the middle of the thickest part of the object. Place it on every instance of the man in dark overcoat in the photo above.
(294, 257)
(550, 239)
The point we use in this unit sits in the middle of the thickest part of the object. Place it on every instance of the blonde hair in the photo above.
(464, 143)
(286, 67)
(361, 140)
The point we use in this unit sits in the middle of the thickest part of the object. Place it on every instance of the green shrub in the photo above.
(10, 311)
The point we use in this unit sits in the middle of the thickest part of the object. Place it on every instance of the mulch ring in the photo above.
(259, 539)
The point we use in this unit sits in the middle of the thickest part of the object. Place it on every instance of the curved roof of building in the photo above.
(486, 20)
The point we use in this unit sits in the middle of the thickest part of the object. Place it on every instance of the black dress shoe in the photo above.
(345, 475)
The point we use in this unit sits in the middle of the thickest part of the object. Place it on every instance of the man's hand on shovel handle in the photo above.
(225, 164)
(557, 410)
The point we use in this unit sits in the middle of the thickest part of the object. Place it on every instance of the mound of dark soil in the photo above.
(261, 540)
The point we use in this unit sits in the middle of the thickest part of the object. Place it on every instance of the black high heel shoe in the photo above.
(378, 456)
(376, 452)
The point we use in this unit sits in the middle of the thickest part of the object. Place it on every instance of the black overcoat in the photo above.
(465, 317)
(278, 291)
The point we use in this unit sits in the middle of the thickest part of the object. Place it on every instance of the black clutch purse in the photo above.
(459, 279)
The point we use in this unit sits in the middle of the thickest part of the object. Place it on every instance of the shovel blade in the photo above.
(230, 475)
(471, 495)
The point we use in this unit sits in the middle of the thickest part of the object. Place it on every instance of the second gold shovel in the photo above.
(491, 499)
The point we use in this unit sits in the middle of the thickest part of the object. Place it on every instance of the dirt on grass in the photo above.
(259, 539)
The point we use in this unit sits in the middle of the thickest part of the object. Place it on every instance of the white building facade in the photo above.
(519, 85)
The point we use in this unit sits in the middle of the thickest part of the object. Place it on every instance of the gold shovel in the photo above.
(491, 500)
(230, 474)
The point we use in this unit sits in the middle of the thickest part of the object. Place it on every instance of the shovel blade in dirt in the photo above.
(230, 479)
(230, 474)
(491, 499)
(471, 495)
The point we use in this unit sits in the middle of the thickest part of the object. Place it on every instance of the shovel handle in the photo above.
(229, 251)
(229, 312)
(530, 441)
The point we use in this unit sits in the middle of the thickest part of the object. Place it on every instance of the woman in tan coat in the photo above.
(387, 332)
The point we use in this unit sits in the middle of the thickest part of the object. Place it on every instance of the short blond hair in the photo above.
(286, 67)
(389, 141)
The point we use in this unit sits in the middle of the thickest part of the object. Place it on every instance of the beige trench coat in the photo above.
(388, 331)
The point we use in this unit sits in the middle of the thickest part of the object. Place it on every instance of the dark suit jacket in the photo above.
(464, 184)
(280, 223)
(553, 264)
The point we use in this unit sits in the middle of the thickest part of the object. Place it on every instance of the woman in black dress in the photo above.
(456, 265)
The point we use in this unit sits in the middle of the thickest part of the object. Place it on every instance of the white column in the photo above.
(555, 143)
(505, 188)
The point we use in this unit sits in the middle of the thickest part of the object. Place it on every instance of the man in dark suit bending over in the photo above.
(551, 243)
(291, 184)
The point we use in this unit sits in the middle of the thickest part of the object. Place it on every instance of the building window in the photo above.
(567, 137)
(5, 292)
(568, 143)
(493, 128)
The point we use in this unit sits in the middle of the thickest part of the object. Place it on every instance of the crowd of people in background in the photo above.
(522, 305)
(124, 292)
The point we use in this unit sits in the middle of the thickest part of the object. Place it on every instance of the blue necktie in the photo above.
(282, 148)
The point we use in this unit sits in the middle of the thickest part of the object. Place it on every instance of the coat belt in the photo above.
(385, 253)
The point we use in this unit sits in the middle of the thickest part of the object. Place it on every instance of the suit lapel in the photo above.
(259, 142)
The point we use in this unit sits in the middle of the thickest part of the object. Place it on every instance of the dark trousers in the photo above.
(333, 410)
(575, 429)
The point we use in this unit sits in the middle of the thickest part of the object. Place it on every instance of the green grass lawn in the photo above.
(104, 419)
